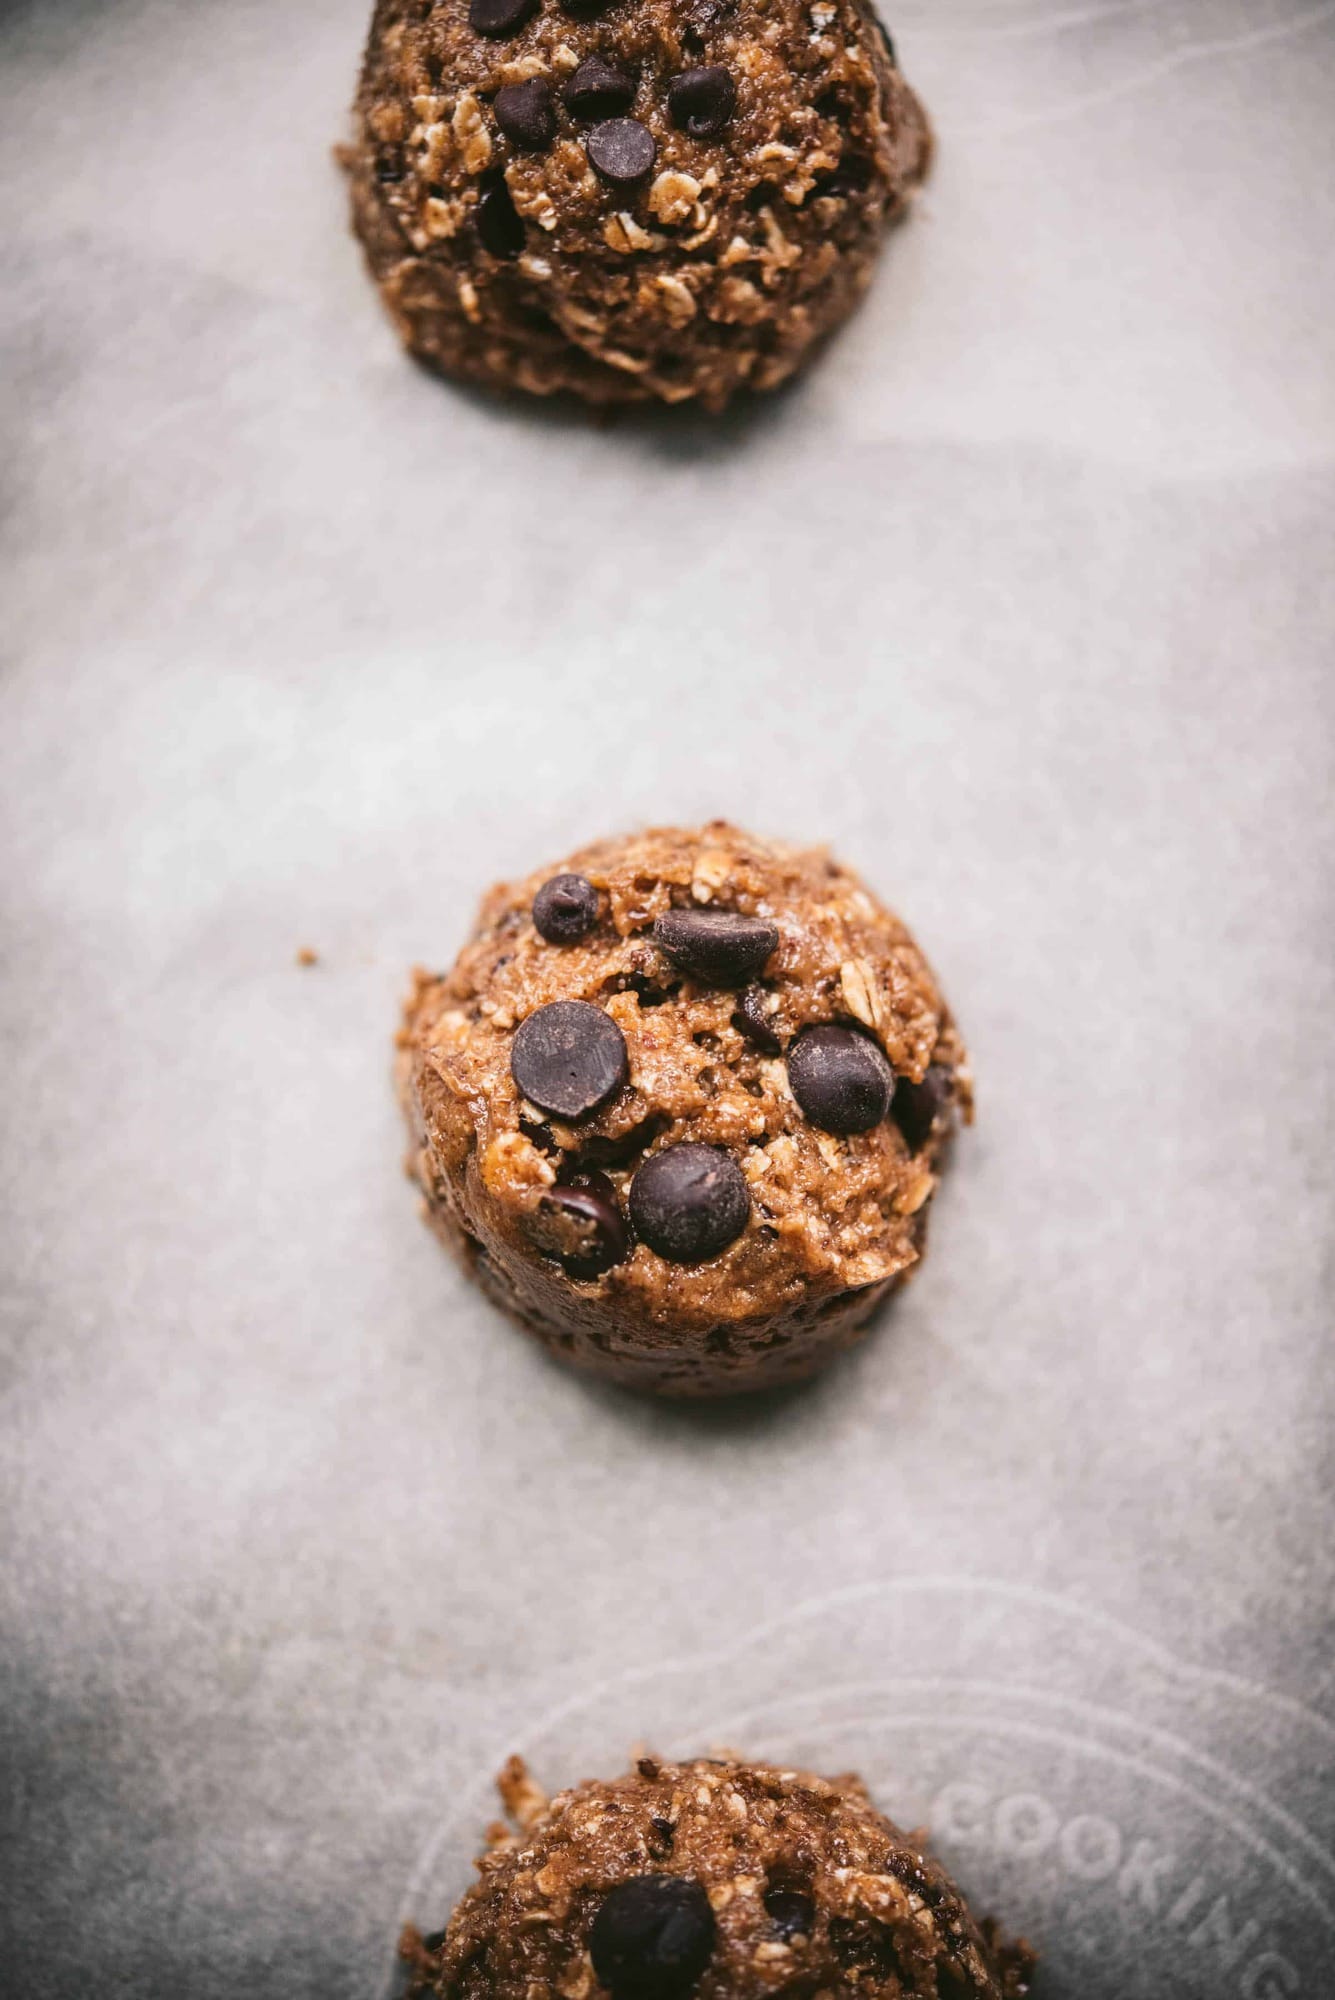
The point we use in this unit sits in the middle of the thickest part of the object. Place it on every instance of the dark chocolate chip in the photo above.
(434, 1940)
(791, 1913)
(702, 101)
(580, 1223)
(565, 909)
(598, 90)
(389, 164)
(917, 1104)
(716, 946)
(500, 228)
(752, 1021)
(499, 17)
(622, 150)
(689, 1202)
(652, 1937)
(526, 113)
(840, 1078)
(568, 1058)
(584, 10)
(884, 33)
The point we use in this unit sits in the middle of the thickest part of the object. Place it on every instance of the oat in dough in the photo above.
(680, 1105)
(716, 1879)
(639, 201)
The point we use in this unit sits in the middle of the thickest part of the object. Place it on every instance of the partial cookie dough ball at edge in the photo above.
(717, 1879)
(517, 260)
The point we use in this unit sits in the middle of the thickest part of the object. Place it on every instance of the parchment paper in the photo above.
(1022, 600)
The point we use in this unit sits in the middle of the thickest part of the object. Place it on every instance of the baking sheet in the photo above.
(1022, 600)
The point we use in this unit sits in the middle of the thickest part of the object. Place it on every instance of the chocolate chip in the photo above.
(389, 164)
(716, 946)
(689, 1202)
(652, 1937)
(598, 90)
(917, 1104)
(622, 150)
(526, 113)
(702, 101)
(752, 1021)
(565, 909)
(434, 1941)
(584, 10)
(499, 17)
(791, 1913)
(499, 226)
(840, 1078)
(568, 1058)
(884, 33)
(579, 1223)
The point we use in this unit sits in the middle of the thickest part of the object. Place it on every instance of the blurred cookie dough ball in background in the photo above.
(632, 201)
(680, 1105)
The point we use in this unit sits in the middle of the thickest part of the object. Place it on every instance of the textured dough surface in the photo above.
(718, 271)
(886, 1922)
(835, 1222)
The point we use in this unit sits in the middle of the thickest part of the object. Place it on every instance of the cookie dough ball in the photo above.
(716, 1879)
(680, 1105)
(632, 200)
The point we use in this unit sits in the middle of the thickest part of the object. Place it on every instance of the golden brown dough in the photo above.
(790, 1227)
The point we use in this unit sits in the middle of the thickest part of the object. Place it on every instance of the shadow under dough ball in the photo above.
(715, 1879)
(680, 1105)
(640, 203)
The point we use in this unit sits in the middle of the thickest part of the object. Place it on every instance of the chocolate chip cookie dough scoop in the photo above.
(716, 1879)
(630, 199)
(680, 1105)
